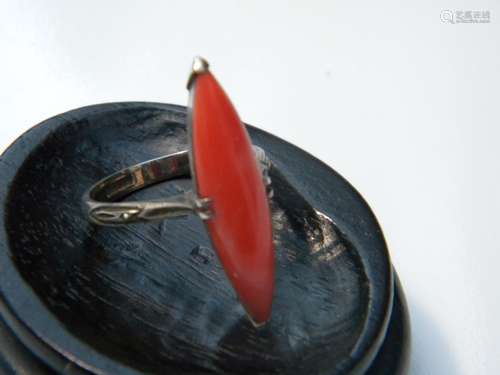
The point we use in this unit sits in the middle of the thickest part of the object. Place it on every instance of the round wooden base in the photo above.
(153, 298)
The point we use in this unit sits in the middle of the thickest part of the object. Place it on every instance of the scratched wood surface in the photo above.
(153, 297)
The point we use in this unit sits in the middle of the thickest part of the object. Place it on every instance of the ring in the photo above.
(101, 199)
(231, 187)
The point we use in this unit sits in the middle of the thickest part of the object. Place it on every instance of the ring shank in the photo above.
(123, 183)
(102, 200)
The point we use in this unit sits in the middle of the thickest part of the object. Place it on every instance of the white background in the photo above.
(403, 105)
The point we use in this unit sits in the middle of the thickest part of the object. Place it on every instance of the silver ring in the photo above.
(227, 192)
(103, 198)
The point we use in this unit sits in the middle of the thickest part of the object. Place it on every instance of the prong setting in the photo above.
(199, 66)
(203, 208)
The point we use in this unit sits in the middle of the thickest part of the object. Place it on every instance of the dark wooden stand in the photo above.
(152, 298)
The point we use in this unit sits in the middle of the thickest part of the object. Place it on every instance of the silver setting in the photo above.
(199, 66)
(104, 208)
(264, 163)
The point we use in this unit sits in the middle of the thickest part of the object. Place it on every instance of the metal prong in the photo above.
(200, 65)
(254, 323)
(203, 207)
(270, 193)
(267, 180)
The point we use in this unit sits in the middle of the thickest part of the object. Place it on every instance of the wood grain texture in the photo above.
(153, 297)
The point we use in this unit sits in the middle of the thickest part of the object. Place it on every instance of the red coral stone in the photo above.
(227, 172)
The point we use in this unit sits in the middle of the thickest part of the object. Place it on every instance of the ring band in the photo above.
(103, 198)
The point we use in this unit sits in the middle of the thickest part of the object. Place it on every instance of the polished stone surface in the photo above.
(227, 173)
